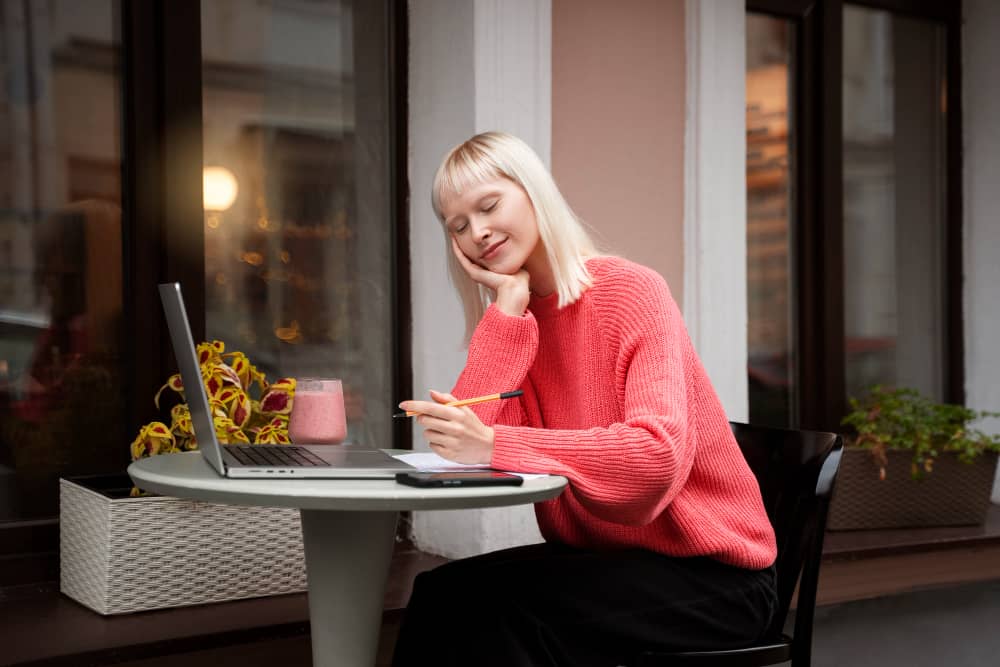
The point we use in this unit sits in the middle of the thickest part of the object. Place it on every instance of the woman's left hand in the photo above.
(452, 432)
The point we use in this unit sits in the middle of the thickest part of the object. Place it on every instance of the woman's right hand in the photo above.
(512, 290)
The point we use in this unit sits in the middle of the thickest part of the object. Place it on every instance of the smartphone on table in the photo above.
(458, 478)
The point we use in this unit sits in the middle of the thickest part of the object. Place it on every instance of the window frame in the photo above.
(819, 201)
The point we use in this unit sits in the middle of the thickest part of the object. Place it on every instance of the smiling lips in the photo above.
(492, 250)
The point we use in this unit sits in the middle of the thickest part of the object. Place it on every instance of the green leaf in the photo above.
(902, 418)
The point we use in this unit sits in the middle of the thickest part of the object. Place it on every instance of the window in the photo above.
(114, 121)
(297, 261)
(862, 284)
(61, 372)
(895, 152)
(771, 349)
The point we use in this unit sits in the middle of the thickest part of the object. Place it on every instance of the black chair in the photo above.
(796, 471)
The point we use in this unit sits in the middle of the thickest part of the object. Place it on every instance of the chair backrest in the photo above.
(796, 471)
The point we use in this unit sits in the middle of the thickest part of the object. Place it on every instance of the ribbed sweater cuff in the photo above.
(510, 452)
(498, 331)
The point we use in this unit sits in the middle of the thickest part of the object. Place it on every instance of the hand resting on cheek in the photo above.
(512, 291)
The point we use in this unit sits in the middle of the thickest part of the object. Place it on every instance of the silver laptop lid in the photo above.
(187, 360)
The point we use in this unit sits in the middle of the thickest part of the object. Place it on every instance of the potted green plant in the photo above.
(123, 551)
(911, 461)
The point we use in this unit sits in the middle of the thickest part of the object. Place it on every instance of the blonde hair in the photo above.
(567, 244)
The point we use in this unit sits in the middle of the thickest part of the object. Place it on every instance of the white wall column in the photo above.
(474, 66)
(715, 216)
(981, 233)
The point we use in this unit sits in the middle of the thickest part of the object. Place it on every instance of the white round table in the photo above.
(348, 530)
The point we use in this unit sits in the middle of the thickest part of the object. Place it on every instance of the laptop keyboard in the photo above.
(275, 455)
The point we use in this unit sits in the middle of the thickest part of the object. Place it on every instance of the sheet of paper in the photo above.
(431, 462)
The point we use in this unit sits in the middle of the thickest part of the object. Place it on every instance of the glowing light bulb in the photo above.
(220, 188)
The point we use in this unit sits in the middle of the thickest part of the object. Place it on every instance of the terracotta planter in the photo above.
(954, 494)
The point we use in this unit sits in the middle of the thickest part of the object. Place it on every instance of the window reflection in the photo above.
(770, 302)
(298, 266)
(61, 410)
(894, 194)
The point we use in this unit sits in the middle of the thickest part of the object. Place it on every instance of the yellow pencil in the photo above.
(470, 401)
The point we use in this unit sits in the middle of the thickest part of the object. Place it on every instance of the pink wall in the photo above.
(618, 125)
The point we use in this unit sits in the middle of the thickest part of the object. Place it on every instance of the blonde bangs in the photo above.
(466, 166)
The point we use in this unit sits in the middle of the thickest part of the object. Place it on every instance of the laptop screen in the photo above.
(187, 360)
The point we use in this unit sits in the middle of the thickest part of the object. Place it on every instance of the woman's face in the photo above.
(494, 223)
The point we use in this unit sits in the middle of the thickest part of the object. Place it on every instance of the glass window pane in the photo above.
(61, 408)
(298, 212)
(894, 201)
(770, 221)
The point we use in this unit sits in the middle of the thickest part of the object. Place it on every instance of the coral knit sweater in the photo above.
(616, 400)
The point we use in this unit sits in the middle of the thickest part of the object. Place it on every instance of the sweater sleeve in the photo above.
(501, 352)
(627, 472)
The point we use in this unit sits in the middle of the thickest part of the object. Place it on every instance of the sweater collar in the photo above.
(543, 306)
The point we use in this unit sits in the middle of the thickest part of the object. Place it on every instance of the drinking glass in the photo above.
(318, 412)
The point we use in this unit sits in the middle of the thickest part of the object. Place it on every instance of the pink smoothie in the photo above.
(318, 417)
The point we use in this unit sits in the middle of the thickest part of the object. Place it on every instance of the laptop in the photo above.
(261, 461)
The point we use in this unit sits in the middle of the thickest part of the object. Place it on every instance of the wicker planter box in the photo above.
(954, 494)
(121, 554)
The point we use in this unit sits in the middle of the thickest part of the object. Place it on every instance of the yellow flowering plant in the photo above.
(230, 382)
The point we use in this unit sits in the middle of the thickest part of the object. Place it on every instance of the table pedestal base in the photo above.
(347, 562)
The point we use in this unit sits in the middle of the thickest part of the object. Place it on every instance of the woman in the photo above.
(660, 539)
